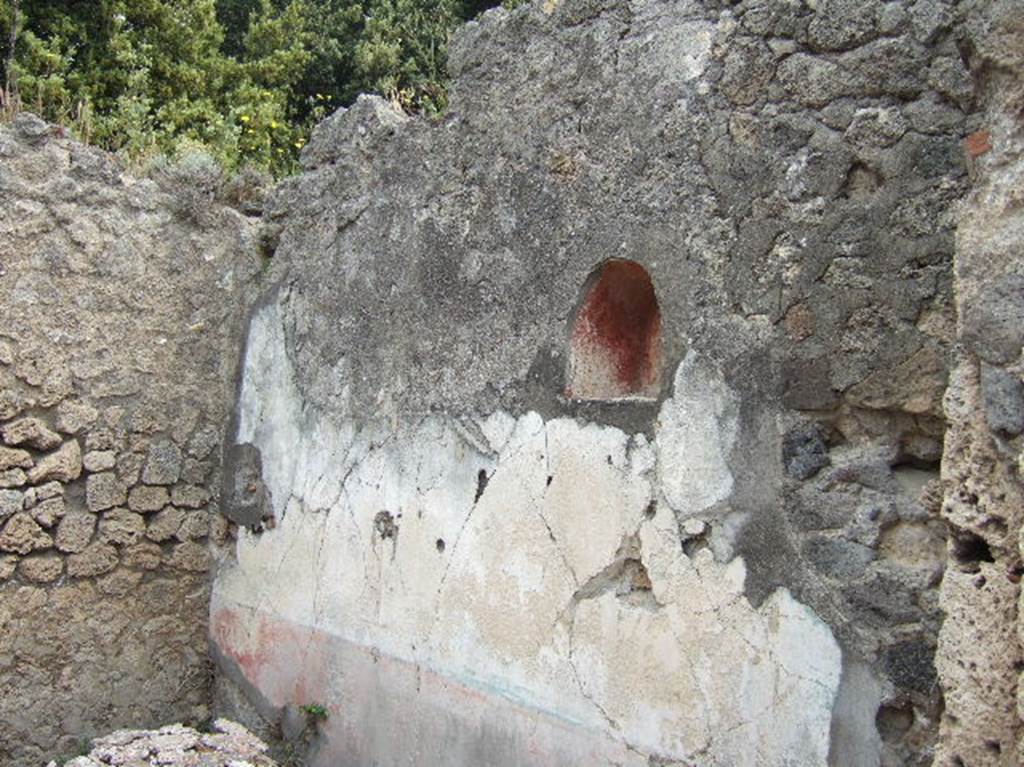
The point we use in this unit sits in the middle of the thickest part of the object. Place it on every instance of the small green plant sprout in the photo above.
(315, 710)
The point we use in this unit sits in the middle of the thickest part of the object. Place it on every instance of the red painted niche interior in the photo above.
(615, 347)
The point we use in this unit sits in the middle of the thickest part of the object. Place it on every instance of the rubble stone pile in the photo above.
(230, 745)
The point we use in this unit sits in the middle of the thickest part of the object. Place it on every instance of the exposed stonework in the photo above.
(980, 656)
(478, 504)
(439, 528)
(121, 316)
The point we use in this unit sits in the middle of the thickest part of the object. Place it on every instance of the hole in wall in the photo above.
(894, 720)
(635, 576)
(970, 549)
(385, 525)
(861, 181)
(615, 346)
(481, 484)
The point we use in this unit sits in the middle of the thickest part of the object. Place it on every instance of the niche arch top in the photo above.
(615, 345)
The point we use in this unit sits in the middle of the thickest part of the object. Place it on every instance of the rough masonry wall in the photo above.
(741, 568)
(980, 655)
(121, 302)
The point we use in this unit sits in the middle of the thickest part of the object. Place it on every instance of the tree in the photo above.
(403, 50)
(244, 80)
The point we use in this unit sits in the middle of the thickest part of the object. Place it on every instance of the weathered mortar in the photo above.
(121, 306)
(481, 558)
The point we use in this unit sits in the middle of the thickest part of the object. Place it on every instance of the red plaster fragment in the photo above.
(978, 143)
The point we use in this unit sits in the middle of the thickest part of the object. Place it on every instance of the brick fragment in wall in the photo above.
(194, 471)
(36, 495)
(164, 524)
(148, 418)
(95, 559)
(104, 491)
(12, 404)
(13, 478)
(121, 527)
(978, 143)
(31, 432)
(203, 441)
(163, 464)
(47, 513)
(73, 416)
(193, 557)
(129, 467)
(22, 534)
(8, 564)
(118, 583)
(195, 525)
(146, 498)
(14, 458)
(189, 496)
(11, 502)
(184, 424)
(41, 568)
(143, 555)
(219, 529)
(75, 531)
(99, 460)
(107, 438)
(64, 465)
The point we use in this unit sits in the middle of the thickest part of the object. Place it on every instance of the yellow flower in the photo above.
(245, 118)
(273, 125)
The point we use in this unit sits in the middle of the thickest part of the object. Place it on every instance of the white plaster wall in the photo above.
(522, 605)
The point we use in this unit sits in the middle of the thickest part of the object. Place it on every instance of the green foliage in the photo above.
(403, 49)
(243, 81)
(315, 710)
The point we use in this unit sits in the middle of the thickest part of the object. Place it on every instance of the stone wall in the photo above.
(980, 654)
(733, 559)
(121, 302)
(484, 517)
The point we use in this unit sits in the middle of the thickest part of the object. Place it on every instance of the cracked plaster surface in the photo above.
(526, 599)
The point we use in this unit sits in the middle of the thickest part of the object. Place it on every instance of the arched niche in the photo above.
(615, 344)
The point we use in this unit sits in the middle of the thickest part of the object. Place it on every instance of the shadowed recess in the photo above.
(615, 347)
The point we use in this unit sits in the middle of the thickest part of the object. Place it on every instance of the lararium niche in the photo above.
(615, 346)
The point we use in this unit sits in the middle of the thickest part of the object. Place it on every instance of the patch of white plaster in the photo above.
(695, 433)
(269, 404)
(530, 599)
